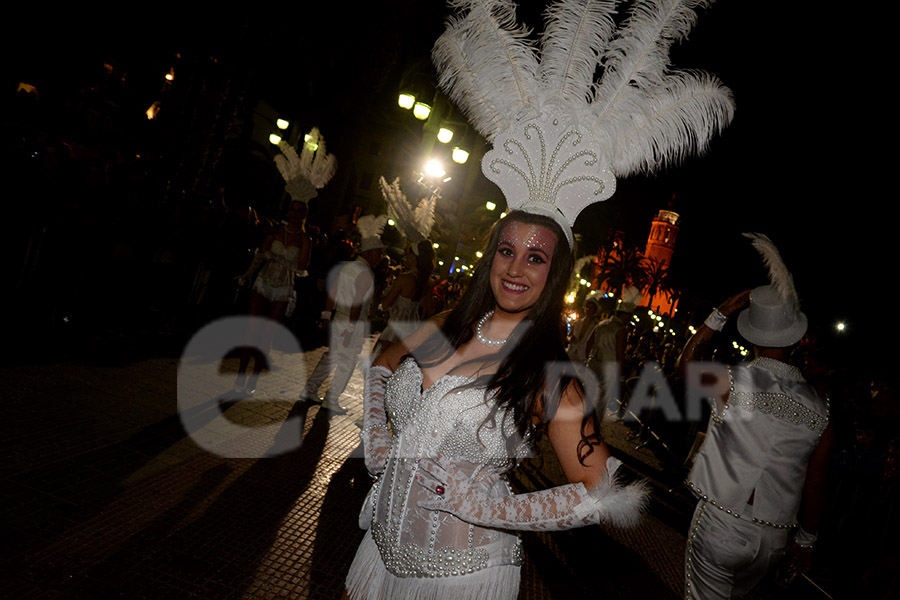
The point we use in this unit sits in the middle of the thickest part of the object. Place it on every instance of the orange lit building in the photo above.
(659, 250)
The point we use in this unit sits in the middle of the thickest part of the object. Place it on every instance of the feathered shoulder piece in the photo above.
(310, 170)
(414, 224)
(561, 138)
(780, 278)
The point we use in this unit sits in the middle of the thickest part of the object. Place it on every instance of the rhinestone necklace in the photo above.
(481, 337)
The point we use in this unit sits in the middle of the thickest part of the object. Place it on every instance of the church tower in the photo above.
(663, 231)
(659, 250)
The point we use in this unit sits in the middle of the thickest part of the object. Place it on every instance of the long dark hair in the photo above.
(523, 384)
(424, 268)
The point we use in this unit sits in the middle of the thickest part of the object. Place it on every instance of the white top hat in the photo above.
(770, 321)
(773, 318)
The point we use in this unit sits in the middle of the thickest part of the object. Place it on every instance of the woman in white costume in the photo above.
(450, 409)
(473, 390)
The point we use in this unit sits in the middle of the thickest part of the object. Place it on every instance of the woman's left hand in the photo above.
(453, 489)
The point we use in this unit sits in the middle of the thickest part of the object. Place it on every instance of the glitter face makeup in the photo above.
(521, 265)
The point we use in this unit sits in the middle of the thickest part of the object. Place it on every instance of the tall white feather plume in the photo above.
(486, 60)
(425, 215)
(639, 55)
(670, 124)
(414, 224)
(779, 276)
(575, 33)
(309, 171)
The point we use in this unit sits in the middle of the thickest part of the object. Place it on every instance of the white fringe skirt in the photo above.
(369, 579)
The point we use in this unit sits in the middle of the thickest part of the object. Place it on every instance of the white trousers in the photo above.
(726, 557)
(339, 358)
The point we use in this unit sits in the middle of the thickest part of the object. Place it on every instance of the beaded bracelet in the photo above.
(716, 320)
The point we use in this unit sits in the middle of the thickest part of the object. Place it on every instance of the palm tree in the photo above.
(625, 269)
(656, 274)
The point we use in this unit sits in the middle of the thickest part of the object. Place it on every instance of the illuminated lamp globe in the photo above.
(421, 110)
(459, 155)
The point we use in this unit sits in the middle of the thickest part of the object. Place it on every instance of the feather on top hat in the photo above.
(773, 318)
(414, 224)
(370, 229)
(309, 171)
(559, 138)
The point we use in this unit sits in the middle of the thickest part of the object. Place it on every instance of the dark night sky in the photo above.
(790, 165)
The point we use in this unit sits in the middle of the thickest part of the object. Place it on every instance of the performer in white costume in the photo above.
(759, 474)
(284, 254)
(450, 409)
(409, 299)
(350, 290)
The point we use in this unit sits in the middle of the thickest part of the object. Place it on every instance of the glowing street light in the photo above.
(421, 110)
(490, 205)
(282, 124)
(406, 101)
(433, 168)
(274, 138)
(841, 326)
(444, 135)
(459, 155)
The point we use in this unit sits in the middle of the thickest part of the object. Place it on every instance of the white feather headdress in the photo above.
(308, 172)
(370, 229)
(560, 138)
(414, 224)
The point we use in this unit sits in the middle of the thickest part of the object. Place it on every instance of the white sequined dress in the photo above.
(410, 553)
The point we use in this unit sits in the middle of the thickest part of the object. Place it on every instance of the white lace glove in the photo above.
(562, 507)
(375, 435)
(258, 259)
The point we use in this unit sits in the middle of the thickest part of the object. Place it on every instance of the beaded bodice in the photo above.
(446, 419)
(281, 264)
